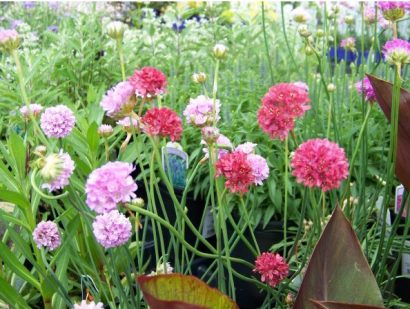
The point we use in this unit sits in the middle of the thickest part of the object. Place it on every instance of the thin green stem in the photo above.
(265, 39)
(121, 56)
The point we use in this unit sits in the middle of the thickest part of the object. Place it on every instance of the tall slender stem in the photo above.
(285, 215)
(266, 43)
(121, 55)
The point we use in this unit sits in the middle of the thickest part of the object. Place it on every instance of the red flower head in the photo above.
(282, 104)
(148, 82)
(237, 171)
(162, 122)
(320, 163)
(272, 268)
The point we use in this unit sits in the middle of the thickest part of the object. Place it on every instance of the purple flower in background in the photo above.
(29, 4)
(367, 89)
(260, 169)
(397, 51)
(57, 121)
(15, 23)
(112, 229)
(109, 185)
(200, 111)
(46, 235)
(52, 28)
(178, 26)
(348, 43)
(53, 5)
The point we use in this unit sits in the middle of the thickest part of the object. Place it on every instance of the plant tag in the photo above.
(208, 229)
(398, 200)
(175, 164)
(405, 261)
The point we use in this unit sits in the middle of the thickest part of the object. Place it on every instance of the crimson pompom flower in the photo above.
(162, 122)
(282, 104)
(320, 163)
(237, 170)
(272, 268)
(148, 82)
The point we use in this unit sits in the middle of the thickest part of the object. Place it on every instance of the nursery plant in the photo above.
(204, 155)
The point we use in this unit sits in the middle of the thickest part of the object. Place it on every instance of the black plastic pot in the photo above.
(249, 296)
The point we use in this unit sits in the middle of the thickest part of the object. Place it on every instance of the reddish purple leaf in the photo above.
(338, 271)
(177, 291)
(338, 305)
(384, 92)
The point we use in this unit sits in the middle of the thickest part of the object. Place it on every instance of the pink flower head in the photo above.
(109, 185)
(367, 89)
(237, 171)
(162, 122)
(64, 172)
(148, 82)
(348, 43)
(320, 163)
(46, 235)
(57, 121)
(393, 10)
(369, 15)
(33, 109)
(105, 130)
(125, 123)
(118, 101)
(9, 39)
(397, 51)
(260, 169)
(302, 85)
(91, 305)
(112, 229)
(200, 111)
(223, 142)
(272, 267)
(247, 147)
(282, 104)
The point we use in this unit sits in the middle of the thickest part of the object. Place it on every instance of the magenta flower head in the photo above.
(260, 169)
(57, 121)
(272, 267)
(200, 111)
(397, 52)
(56, 171)
(148, 82)
(9, 39)
(282, 104)
(367, 89)
(320, 163)
(109, 185)
(90, 305)
(119, 100)
(46, 235)
(369, 15)
(33, 109)
(112, 229)
(393, 10)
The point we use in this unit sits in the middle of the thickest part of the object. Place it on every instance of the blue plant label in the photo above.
(398, 201)
(175, 164)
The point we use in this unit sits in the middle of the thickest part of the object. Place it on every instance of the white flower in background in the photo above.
(162, 268)
(300, 15)
(116, 29)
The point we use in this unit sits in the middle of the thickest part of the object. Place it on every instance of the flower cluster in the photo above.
(90, 305)
(200, 111)
(57, 171)
(162, 122)
(31, 110)
(46, 235)
(272, 267)
(348, 43)
(148, 82)
(119, 101)
(57, 121)
(260, 168)
(109, 185)
(112, 229)
(237, 171)
(393, 10)
(282, 104)
(366, 87)
(320, 163)
(397, 52)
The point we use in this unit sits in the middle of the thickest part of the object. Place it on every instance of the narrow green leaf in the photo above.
(93, 138)
(10, 295)
(18, 151)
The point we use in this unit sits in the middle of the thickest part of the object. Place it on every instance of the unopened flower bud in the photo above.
(51, 166)
(308, 50)
(220, 51)
(116, 30)
(320, 33)
(40, 150)
(349, 20)
(105, 130)
(139, 202)
(210, 134)
(304, 31)
(199, 78)
(331, 87)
